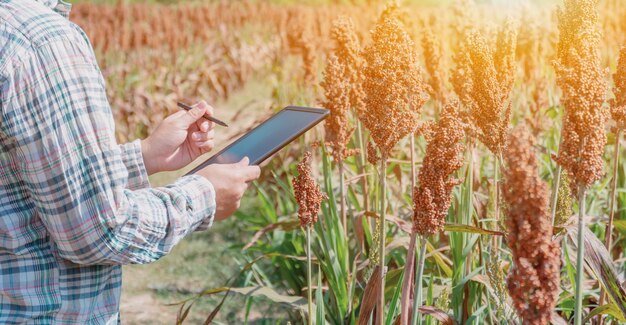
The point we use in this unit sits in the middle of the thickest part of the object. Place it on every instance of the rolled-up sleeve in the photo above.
(133, 160)
(92, 194)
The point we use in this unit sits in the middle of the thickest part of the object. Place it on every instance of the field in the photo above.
(471, 170)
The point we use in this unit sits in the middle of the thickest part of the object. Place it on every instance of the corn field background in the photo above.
(471, 172)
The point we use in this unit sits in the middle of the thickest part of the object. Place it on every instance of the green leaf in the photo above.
(269, 293)
(599, 260)
(608, 309)
(455, 227)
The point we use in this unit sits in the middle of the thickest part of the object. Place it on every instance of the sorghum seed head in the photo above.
(434, 66)
(533, 281)
(618, 105)
(336, 90)
(444, 155)
(348, 52)
(307, 193)
(395, 92)
(581, 80)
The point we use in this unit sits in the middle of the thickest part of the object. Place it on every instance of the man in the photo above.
(75, 205)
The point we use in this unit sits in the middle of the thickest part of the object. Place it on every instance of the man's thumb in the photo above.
(245, 161)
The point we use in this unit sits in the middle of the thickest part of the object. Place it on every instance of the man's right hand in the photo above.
(230, 181)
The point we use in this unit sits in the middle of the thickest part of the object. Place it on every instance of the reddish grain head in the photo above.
(307, 193)
(444, 155)
(534, 279)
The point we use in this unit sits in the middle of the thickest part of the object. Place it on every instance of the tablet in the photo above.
(269, 137)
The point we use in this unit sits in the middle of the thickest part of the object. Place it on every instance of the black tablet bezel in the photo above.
(323, 114)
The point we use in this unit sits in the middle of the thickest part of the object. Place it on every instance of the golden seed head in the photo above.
(395, 92)
(444, 155)
(336, 90)
(537, 102)
(581, 79)
(483, 80)
(461, 79)
(618, 105)
(434, 66)
(348, 52)
(492, 80)
(307, 193)
(533, 281)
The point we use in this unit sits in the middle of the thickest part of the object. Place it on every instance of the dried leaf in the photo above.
(438, 314)
(370, 297)
(599, 260)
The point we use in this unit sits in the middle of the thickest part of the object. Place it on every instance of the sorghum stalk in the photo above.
(344, 218)
(580, 266)
(308, 273)
(413, 170)
(381, 241)
(555, 194)
(496, 174)
(362, 166)
(407, 281)
(609, 226)
(309, 198)
(417, 297)
(410, 263)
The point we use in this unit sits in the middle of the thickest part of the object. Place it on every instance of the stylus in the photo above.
(210, 118)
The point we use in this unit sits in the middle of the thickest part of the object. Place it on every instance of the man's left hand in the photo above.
(179, 139)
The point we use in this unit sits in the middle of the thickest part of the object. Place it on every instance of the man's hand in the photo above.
(179, 139)
(230, 181)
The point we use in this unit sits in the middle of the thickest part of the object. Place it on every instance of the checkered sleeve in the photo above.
(92, 194)
(133, 160)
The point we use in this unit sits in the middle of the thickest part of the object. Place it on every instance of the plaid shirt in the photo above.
(74, 205)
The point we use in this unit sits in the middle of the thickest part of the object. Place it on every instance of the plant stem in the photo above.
(609, 226)
(417, 297)
(407, 280)
(413, 171)
(308, 273)
(342, 200)
(410, 263)
(381, 240)
(555, 190)
(362, 222)
(580, 267)
(555, 193)
(496, 175)
(362, 169)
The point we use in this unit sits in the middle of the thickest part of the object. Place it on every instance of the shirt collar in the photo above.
(61, 7)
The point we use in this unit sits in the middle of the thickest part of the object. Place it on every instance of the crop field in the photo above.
(471, 171)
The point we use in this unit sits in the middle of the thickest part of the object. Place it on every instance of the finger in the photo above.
(202, 136)
(191, 116)
(204, 124)
(251, 173)
(205, 145)
(245, 161)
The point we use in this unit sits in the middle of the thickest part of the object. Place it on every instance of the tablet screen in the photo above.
(268, 137)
